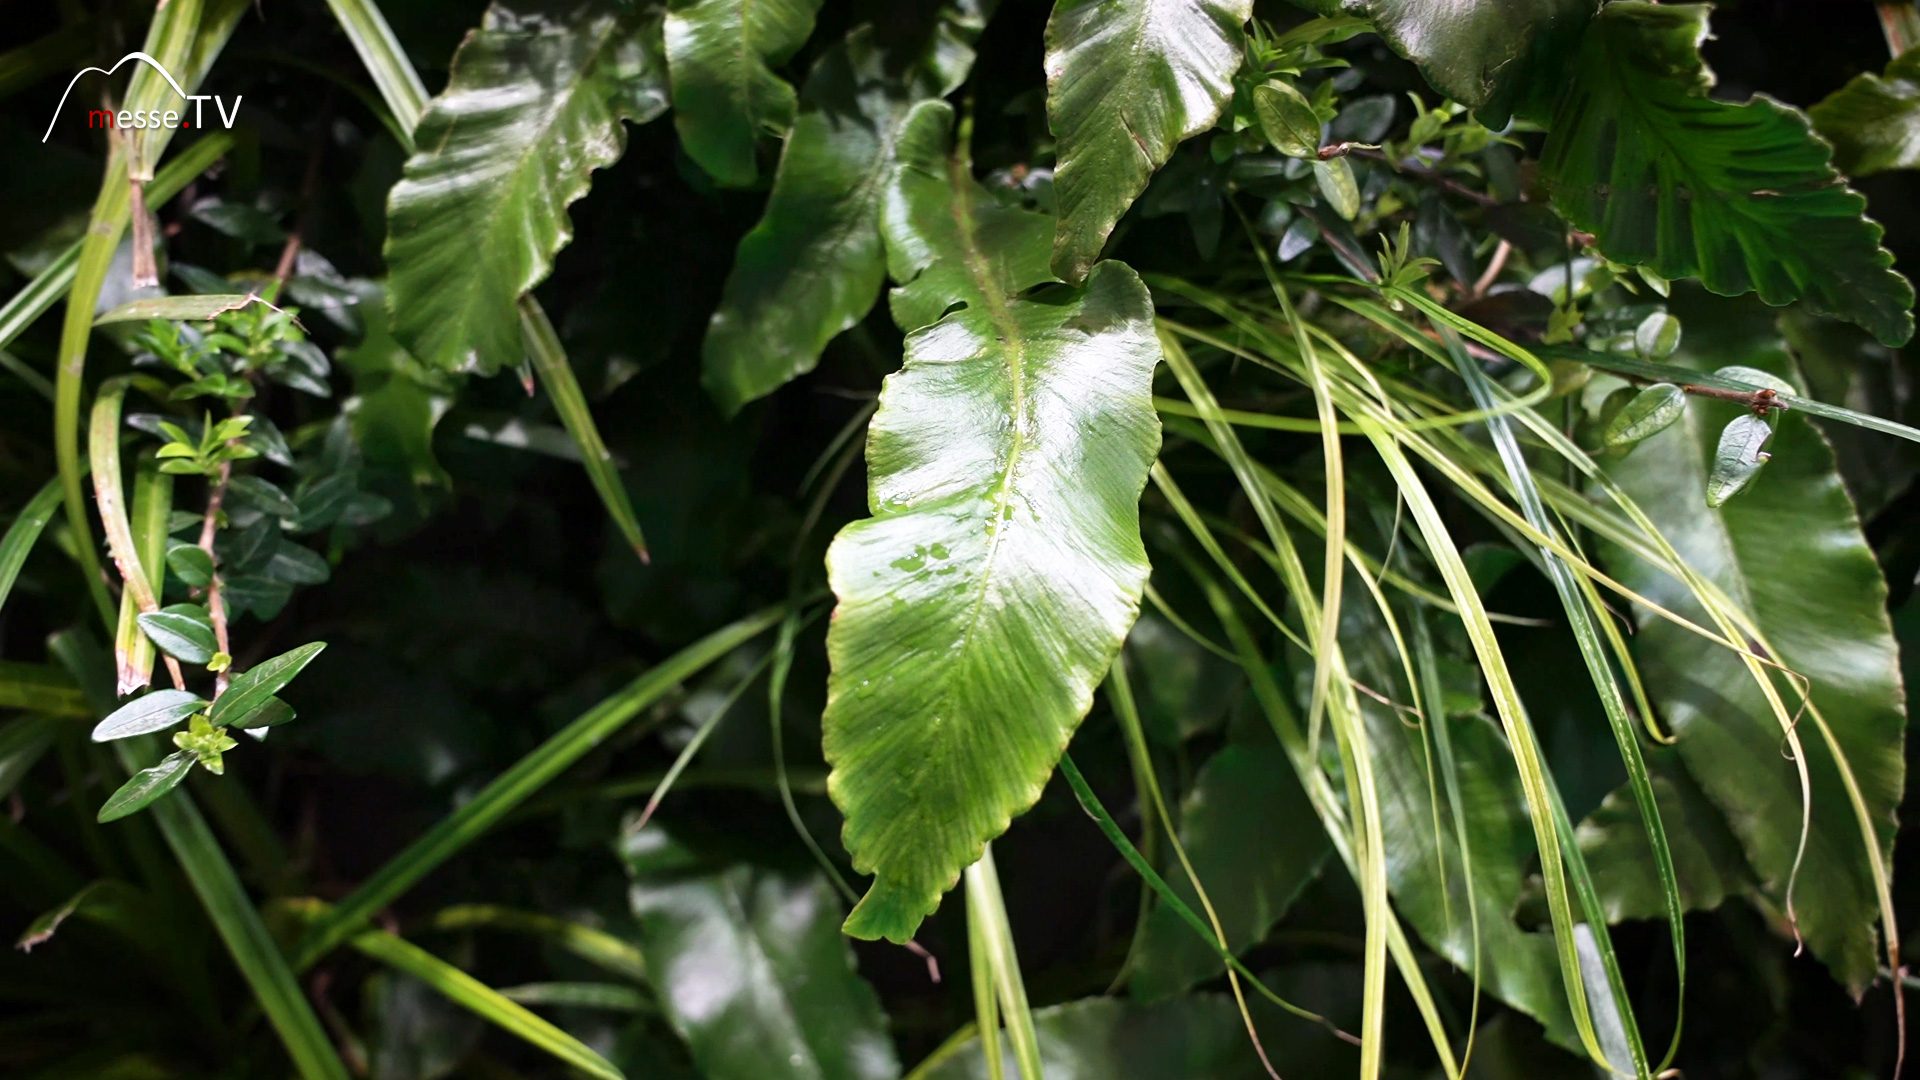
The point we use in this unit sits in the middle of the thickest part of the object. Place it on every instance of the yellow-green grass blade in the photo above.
(990, 937)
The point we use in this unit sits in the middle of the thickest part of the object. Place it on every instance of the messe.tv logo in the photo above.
(150, 118)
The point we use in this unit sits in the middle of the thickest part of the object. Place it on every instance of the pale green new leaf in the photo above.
(983, 601)
(1790, 552)
(751, 970)
(532, 108)
(1126, 81)
(1740, 196)
(1873, 122)
(721, 54)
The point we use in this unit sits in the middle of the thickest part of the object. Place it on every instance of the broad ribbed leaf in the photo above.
(1740, 196)
(1873, 122)
(1790, 551)
(721, 54)
(814, 264)
(1189, 1038)
(1500, 57)
(983, 601)
(532, 108)
(1707, 860)
(1649, 413)
(1254, 841)
(751, 970)
(1126, 81)
(949, 241)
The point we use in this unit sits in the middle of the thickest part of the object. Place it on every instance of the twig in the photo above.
(1757, 400)
(1413, 169)
(1498, 263)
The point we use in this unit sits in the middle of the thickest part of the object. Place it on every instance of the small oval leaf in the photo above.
(1337, 185)
(1650, 412)
(252, 690)
(1657, 336)
(183, 630)
(297, 565)
(1738, 458)
(190, 564)
(262, 495)
(147, 785)
(151, 712)
(1753, 376)
(1287, 120)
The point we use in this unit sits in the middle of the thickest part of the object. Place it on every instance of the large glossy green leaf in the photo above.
(752, 971)
(984, 600)
(1516, 965)
(1126, 81)
(1189, 1038)
(1254, 842)
(1707, 860)
(1790, 552)
(533, 106)
(813, 265)
(1499, 56)
(1874, 122)
(1740, 196)
(725, 94)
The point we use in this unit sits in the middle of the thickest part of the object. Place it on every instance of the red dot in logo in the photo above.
(184, 124)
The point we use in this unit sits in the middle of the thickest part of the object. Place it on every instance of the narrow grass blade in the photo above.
(991, 937)
(1592, 650)
(60, 51)
(238, 924)
(24, 533)
(512, 787)
(580, 995)
(594, 946)
(986, 1001)
(380, 51)
(556, 374)
(43, 689)
(18, 368)
(482, 1000)
(133, 653)
(51, 284)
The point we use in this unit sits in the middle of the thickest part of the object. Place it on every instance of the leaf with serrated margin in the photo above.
(1500, 57)
(1740, 196)
(983, 601)
(721, 54)
(1789, 551)
(1126, 81)
(1874, 122)
(814, 264)
(533, 106)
